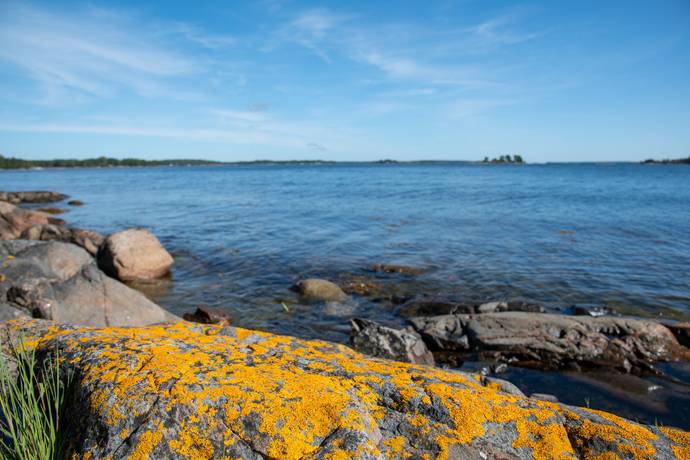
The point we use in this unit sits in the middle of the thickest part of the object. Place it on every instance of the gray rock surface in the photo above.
(318, 289)
(554, 341)
(86, 239)
(134, 254)
(384, 342)
(60, 281)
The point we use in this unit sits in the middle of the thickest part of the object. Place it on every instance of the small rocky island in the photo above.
(145, 383)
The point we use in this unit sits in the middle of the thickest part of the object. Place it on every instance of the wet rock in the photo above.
(579, 310)
(361, 285)
(431, 306)
(194, 391)
(208, 315)
(394, 268)
(319, 290)
(86, 239)
(61, 282)
(544, 397)
(134, 254)
(553, 341)
(680, 329)
(14, 220)
(31, 197)
(384, 342)
(75, 203)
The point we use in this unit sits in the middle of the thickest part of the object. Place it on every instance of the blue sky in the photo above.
(551, 80)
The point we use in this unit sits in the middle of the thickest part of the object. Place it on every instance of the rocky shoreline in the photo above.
(154, 385)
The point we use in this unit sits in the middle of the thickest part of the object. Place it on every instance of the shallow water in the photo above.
(608, 234)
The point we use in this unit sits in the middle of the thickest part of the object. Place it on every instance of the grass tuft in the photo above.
(31, 406)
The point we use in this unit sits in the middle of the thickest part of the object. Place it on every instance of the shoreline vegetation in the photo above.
(679, 161)
(385, 396)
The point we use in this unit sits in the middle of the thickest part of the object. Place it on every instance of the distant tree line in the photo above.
(18, 163)
(505, 159)
(667, 161)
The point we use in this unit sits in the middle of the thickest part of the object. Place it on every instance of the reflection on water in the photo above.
(561, 235)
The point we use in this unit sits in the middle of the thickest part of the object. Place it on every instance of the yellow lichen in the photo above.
(298, 392)
(681, 441)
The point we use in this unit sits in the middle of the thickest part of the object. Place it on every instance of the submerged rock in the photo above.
(61, 281)
(319, 290)
(384, 342)
(134, 254)
(394, 268)
(200, 392)
(52, 211)
(75, 203)
(31, 197)
(554, 341)
(433, 306)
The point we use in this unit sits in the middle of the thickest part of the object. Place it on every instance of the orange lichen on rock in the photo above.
(191, 391)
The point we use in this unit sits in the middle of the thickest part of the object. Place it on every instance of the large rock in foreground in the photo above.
(61, 281)
(191, 391)
(554, 341)
(134, 254)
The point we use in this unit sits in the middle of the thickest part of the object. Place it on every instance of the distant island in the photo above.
(683, 161)
(515, 159)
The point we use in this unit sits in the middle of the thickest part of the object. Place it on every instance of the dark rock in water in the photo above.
(134, 254)
(31, 197)
(544, 397)
(426, 306)
(554, 341)
(509, 305)
(680, 329)
(384, 342)
(202, 392)
(52, 211)
(86, 239)
(208, 315)
(14, 220)
(578, 310)
(60, 281)
(319, 290)
(75, 203)
(430, 306)
(393, 268)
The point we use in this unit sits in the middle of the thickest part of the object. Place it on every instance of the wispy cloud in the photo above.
(94, 52)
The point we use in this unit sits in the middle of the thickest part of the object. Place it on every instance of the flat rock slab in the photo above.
(61, 281)
(554, 341)
(192, 391)
(31, 197)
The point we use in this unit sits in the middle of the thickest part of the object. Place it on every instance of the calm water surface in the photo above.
(616, 235)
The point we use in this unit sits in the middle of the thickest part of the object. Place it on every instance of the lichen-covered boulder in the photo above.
(192, 391)
(318, 289)
(61, 281)
(134, 254)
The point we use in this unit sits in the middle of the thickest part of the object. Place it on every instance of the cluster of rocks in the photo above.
(52, 271)
(514, 331)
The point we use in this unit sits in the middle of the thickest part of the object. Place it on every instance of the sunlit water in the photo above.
(613, 235)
